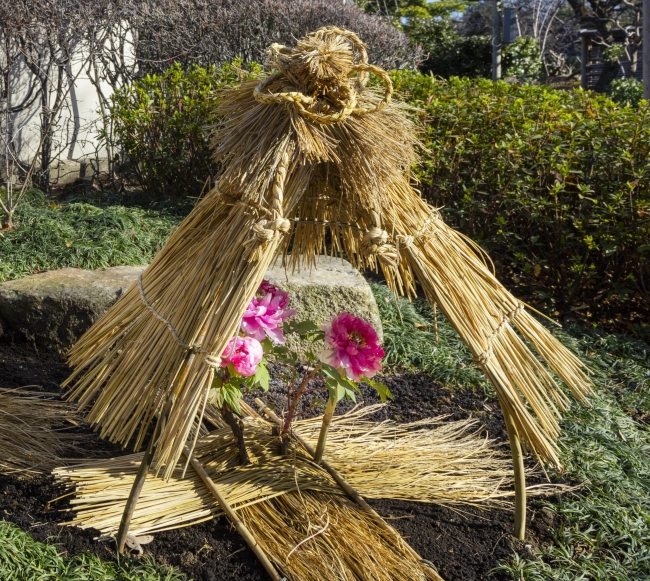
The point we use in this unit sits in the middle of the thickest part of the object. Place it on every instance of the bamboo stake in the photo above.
(352, 493)
(233, 518)
(325, 426)
(520, 477)
(132, 501)
(140, 477)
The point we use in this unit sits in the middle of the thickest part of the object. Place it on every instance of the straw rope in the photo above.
(265, 231)
(347, 106)
(376, 242)
(212, 360)
(337, 91)
(507, 318)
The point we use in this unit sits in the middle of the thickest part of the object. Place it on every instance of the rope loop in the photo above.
(265, 231)
(321, 65)
(405, 241)
(213, 361)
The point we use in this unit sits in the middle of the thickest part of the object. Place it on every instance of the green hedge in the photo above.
(554, 184)
(161, 123)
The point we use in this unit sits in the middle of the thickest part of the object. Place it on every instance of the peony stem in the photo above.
(325, 426)
(296, 397)
(237, 427)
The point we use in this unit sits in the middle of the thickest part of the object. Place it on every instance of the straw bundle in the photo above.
(312, 536)
(31, 439)
(427, 461)
(103, 486)
(311, 147)
(430, 460)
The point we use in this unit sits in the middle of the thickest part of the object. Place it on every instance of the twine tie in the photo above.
(211, 360)
(376, 242)
(483, 358)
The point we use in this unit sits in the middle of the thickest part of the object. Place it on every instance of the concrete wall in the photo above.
(76, 148)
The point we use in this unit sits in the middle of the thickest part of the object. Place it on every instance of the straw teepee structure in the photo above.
(307, 150)
(310, 154)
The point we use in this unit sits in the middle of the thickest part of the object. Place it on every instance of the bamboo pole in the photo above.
(354, 495)
(520, 477)
(140, 478)
(232, 517)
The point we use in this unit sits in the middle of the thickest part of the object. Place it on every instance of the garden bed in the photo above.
(464, 543)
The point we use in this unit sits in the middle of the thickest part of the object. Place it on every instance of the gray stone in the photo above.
(318, 294)
(55, 308)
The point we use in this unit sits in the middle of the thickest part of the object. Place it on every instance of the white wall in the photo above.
(75, 145)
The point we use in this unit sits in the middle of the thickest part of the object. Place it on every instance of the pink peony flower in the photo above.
(265, 314)
(352, 344)
(245, 356)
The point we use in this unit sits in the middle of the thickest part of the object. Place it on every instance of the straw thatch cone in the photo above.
(308, 149)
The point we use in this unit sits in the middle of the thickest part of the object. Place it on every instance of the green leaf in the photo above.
(339, 387)
(315, 336)
(349, 393)
(381, 389)
(262, 377)
(333, 389)
(305, 327)
(231, 394)
(330, 371)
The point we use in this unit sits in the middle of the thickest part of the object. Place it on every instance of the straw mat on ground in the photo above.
(32, 439)
(428, 461)
(311, 536)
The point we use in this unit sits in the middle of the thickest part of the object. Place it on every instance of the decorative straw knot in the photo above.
(405, 241)
(213, 361)
(264, 231)
(483, 358)
(376, 242)
(319, 70)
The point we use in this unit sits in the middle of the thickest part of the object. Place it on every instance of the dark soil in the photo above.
(464, 544)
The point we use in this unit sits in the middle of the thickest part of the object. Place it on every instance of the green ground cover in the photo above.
(51, 235)
(24, 559)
